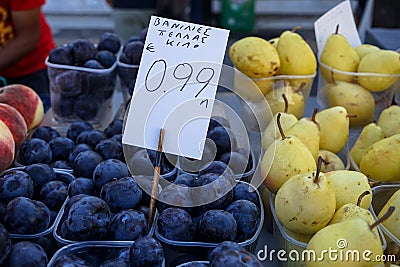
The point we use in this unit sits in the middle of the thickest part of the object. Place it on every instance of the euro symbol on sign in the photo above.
(150, 47)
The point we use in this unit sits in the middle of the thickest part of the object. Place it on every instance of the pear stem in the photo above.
(316, 178)
(301, 87)
(361, 197)
(278, 121)
(297, 28)
(314, 115)
(376, 183)
(383, 218)
(351, 116)
(337, 29)
(286, 103)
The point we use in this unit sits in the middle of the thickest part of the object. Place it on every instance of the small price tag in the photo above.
(176, 86)
(326, 25)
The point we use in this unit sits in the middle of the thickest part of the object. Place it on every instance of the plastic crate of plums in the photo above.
(83, 78)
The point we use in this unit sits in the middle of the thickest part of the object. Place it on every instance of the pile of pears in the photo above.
(283, 65)
(376, 151)
(321, 209)
(362, 79)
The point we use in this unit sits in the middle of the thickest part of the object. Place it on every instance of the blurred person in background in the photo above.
(131, 16)
(25, 42)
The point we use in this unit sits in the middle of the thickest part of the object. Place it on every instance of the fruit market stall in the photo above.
(283, 176)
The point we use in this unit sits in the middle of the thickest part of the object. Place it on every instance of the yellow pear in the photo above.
(340, 55)
(392, 223)
(271, 133)
(334, 125)
(348, 186)
(255, 57)
(381, 160)
(307, 130)
(364, 49)
(389, 120)
(370, 134)
(350, 211)
(284, 158)
(305, 238)
(332, 161)
(306, 202)
(381, 62)
(354, 98)
(351, 238)
(294, 98)
(295, 55)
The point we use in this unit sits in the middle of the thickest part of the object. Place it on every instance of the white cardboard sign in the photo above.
(341, 15)
(175, 87)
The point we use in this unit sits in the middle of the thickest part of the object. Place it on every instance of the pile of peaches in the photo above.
(21, 110)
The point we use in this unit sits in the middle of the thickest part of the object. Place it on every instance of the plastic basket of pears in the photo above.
(363, 79)
(315, 212)
(264, 70)
(385, 196)
(375, 150)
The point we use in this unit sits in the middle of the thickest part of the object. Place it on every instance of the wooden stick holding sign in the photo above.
(156, 178)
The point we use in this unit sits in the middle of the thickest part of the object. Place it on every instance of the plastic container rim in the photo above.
(69, 67)
(121, 64)
(186, 263)
(209, 244)
(359, 74)
(280, 77)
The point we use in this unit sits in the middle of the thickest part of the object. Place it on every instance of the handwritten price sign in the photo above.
(176, 86)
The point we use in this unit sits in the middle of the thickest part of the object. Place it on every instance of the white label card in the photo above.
(341, 15)
(175, 87)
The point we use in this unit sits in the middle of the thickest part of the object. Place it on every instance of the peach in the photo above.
(7, 147)
(15, 122)
(26, 101)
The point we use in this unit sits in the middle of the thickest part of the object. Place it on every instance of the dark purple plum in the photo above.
(86, 107)
(91, 137)
(61, 55)
(110, 149)
(93, 64)
(109, 41)
(176, 224)
(175, 195)
(45, 132)
(244, 191)
(76, 150)
(26, 253)
(114, 263)
(26, 216)
(85, 163)
(81, 185)
(217, 226)
(62, 105)
(5, 244)
(224, 246)
(223, 138)
(69, 83)
(186, 179)
(109, 169)
(217, 121)
(123, 193)
(72, 200)
(76, 127)
(247, 216)
(40, 173)
(82, 50)
(117, 137)
(237, 162)
(128, 225)
(53, 194)
(154, 255)
(35, 150)
(132, 53)
(114, 127)
(134, 38)
(71, 260)
(106, 58)
(215, 166)
(61, 147)
(88, 219)
(15, 183)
